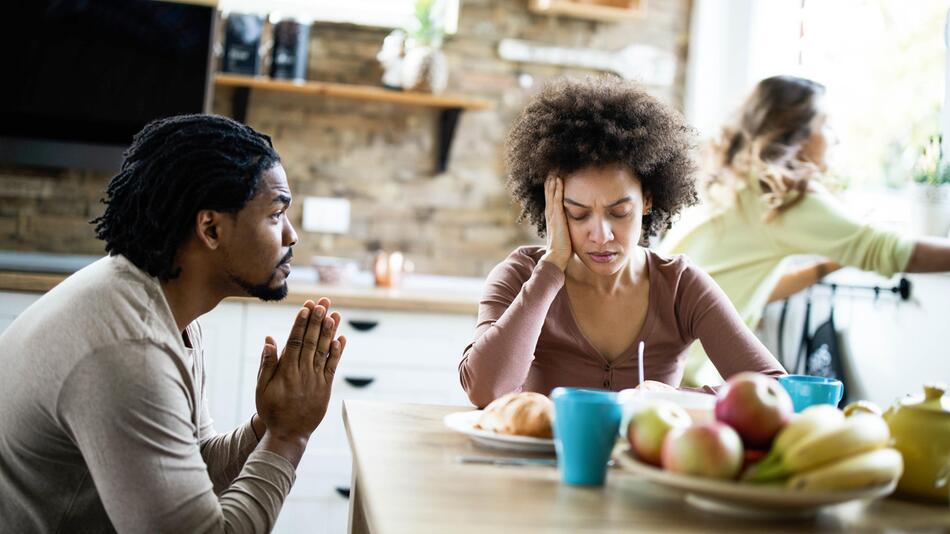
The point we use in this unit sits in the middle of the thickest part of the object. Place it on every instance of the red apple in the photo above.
(649, 425)
(756, 406)
(708, 450)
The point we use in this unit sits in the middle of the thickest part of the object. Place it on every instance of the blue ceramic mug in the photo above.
(808, 390)
(585, 430)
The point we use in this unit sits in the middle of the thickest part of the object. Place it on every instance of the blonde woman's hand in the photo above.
(559, 238)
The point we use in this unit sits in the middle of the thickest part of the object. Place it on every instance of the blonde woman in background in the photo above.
(764, 201)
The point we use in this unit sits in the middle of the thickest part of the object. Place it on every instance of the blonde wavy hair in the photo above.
(762, 144)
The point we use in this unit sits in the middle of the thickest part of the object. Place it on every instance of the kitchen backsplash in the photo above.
(379, 156)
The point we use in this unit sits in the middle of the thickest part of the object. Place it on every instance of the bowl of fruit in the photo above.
(757, 457)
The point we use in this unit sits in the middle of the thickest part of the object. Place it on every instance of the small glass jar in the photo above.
(290, 46)
(242, 42)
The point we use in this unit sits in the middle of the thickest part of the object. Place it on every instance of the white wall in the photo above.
(945, 116)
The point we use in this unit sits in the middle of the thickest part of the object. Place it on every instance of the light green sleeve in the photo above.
(819, 225)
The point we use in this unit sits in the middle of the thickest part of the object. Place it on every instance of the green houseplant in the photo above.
(424, 67)
(931, 189)
(930, 167)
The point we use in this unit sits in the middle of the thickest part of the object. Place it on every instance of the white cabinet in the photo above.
(390, 356)
(222, 331)
(12, 304)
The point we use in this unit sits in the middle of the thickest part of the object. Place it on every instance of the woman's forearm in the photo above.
(797, 280)
(498, 360)
(930, 255)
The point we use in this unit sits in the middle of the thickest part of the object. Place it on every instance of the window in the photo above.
(883, 62)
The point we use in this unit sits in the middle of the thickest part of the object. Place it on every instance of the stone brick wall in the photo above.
(380, 156)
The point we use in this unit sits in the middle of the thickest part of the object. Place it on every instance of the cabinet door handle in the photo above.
(359, 382)
(344, 491)
(363, 326)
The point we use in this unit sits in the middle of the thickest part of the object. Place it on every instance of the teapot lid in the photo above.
(933, 399)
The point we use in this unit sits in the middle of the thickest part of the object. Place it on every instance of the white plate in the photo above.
(464, 422)
(736, 498)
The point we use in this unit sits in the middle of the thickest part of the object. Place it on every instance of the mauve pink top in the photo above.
(527, 338)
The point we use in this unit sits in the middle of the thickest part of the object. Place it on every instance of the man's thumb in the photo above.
(268, 362)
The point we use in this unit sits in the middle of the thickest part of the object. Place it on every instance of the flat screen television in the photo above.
(81, 77)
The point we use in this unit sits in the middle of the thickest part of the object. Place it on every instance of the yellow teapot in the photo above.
(921, 431)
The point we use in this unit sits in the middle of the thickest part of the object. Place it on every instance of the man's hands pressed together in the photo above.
(293, 389)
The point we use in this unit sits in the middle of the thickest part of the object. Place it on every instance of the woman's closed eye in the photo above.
(622, 214)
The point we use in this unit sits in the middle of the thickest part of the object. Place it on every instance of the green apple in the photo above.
(648, 427)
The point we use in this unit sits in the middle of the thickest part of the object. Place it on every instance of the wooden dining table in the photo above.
(408, 479)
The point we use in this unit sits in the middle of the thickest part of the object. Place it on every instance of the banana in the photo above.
(864, 470)
(861, 406)
(859, 433)
(812, 421)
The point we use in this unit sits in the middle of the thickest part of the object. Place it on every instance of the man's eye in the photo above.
(277, 215)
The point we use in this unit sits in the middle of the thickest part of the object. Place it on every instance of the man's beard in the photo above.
(264, 291)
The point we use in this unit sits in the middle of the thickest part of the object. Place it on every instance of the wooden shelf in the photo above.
(601, 11)
(450, 106)
(355, 92)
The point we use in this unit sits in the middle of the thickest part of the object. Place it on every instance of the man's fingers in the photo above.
(326, 337)
(295, 339)
(323, 344)
(336, 352)
(310, 337)
(268, 363)
(325, 302)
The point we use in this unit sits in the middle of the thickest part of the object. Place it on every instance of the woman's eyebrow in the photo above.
(612, 204)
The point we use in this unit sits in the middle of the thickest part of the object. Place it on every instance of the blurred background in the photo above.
(390, 117)
(402, 177)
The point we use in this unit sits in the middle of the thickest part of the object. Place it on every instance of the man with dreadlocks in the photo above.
(103, 420)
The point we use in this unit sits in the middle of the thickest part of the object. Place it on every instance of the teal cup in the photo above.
(586, 422)
(808, 390)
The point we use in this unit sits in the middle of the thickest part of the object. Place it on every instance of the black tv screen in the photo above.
(86, 75)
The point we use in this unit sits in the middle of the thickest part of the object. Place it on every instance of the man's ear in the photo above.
(208, 227)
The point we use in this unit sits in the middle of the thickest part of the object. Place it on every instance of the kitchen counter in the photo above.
(38, 273)
(407, 480)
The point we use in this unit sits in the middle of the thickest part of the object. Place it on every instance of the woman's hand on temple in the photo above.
(559, 249)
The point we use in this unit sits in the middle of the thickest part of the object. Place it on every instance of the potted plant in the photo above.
(424, 67)
(931, 190)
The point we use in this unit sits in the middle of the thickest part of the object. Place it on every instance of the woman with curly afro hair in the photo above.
(598, 167)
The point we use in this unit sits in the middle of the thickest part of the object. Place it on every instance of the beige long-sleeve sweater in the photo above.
(104, 424)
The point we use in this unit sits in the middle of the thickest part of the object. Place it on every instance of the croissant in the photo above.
(522, 414)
